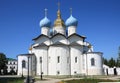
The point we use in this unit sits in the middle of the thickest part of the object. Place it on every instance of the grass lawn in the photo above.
(11, 80)
(89, 80)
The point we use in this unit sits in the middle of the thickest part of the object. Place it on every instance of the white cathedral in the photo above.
(59, 50)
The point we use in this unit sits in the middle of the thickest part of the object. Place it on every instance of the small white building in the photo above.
(12, 66)
(59, 50)
(111, 70)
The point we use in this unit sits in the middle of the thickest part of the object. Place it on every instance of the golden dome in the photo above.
(59, 21)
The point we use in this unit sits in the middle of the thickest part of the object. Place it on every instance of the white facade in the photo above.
(111, 70)
(59, 53)
(12, 66)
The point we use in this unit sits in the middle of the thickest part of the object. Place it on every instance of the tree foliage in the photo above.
(3, 62)
(113, 62)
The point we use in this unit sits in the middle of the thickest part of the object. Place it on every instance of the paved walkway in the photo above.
(51, 80)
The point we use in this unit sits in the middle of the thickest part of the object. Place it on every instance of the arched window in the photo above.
(92, 62)
(23, 64)
(13, 62)
(75, 59)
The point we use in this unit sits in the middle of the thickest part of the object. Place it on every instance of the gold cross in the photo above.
(58, 5)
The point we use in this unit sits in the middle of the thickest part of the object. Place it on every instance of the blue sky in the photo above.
(99, 21)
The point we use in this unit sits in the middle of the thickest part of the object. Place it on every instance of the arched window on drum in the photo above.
(92, 62)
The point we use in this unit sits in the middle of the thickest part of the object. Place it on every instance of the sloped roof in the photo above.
(42, 35)
(11, 59)
(26, 54)
(74, 43)
(57, 35)
(58, 43)
(77, 35)
(42, 44)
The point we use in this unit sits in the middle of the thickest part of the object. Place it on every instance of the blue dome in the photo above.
(71, 21)
(45, 22)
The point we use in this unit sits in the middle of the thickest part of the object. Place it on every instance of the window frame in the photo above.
(92, 61)
(23, 64)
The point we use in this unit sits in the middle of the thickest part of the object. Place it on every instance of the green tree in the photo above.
(105, 61)
(111, 62)
(3, 62)
(118, 59)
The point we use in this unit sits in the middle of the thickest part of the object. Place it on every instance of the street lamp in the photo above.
(28, 71)
(22, 69)
(41, 67)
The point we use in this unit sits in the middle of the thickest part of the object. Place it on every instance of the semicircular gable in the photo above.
(76, 39)
(42, 39)
(59, 39)
(40, 45)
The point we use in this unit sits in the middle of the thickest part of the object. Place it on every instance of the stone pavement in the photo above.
(49, 81)
(52, 80)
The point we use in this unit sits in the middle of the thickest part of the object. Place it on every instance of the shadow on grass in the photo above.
(89, 80)
(12, 80)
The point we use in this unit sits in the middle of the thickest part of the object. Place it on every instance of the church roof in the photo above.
(59, 43)
(77, 35)
(26, 54)
(74, 43)
(42, 35)
(42, 44)
(58, 34)
(94, 53)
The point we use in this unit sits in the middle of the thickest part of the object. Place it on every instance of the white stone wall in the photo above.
(12, 64)
(96, 69)
(71, 30)
(59, 38)
(20, 59)
(41, 67)
(45, 31)
(43, 39)
(76, 39)
(63, 67)
(59, 29)
(21, 70)
(76, 65)
(110, 70)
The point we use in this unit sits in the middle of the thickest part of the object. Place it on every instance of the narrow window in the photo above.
(58, 59)
(75, 59)
(67, 59)
(14, 63)
(92, 62)
(40, 59)
(23, 64)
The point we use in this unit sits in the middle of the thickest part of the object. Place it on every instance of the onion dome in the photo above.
(71, 21)
(45, 22)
